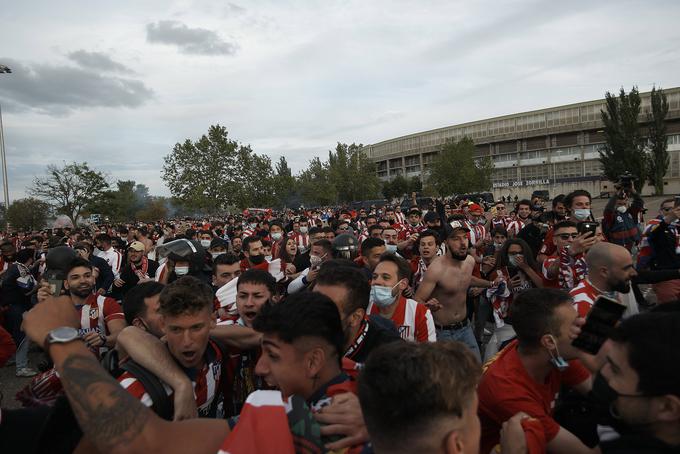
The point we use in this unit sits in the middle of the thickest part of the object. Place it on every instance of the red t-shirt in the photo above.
(506, 389)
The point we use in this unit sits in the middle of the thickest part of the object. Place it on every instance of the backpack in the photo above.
(162, 403)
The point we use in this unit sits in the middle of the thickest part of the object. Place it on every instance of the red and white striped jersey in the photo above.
(301, 239)
(477, 232)
(503, 222)
(206, 382)
(97, 311)
(413, 320)
(247, 232)
(584, 295)
(400, 217)
(515, 226)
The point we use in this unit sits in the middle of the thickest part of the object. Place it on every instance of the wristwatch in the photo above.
(61, 335)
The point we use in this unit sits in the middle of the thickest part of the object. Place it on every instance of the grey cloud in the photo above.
(199, 41)
(59, 89)
(97, 60)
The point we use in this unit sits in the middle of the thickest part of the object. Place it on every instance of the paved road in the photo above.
(10, 384)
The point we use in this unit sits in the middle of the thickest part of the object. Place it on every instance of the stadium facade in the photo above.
(553, 149)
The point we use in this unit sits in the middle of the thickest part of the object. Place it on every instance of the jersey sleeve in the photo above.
(135, 388)
(112, 310)
(425, 331)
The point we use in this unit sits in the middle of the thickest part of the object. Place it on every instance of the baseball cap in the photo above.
(474, 207)
(455, 226)
(414, 211)
(137, 246)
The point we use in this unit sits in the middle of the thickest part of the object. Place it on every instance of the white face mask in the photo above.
(304, 229)
(621, 209)
(581, 214)
(216, 254)
(205, 243)
(181, 270)
(268, 258)
(276, 236)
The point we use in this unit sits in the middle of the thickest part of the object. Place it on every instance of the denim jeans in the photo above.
(464, 335)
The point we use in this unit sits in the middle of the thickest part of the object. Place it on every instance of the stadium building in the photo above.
(553, 149)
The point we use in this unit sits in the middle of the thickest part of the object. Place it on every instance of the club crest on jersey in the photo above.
(404, 331)
(94, 313)
(216, 369)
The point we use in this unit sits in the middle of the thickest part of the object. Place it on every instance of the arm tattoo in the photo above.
(109, 416)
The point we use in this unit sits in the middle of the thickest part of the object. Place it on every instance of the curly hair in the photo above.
(186, 295)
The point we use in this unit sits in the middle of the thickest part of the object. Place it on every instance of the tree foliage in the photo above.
(28, 214)
(215, 171)
(70, 189)
(285, 184)
(623, 150)
(345, 176)
(658, 159)
(455, 170)
(399, 186)
(155, 208)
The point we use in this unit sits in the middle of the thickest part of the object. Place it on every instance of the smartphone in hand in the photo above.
(587, 226)
(600, 322)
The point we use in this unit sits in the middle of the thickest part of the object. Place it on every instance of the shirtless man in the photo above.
(444, 289)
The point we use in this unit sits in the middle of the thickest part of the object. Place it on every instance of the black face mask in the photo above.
(604, 398)
(256, 259)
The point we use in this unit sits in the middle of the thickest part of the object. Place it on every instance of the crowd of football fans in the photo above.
(349, 330)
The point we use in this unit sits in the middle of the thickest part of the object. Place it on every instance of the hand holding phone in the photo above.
(587, 226)
(600, 322)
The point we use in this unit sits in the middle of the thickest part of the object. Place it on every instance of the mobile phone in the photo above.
(55, 286)
(600, 322)
(677, 200)
(587, 226)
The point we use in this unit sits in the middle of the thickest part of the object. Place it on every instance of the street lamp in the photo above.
(4, 70)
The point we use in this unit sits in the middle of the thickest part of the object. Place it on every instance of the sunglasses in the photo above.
(566, 236)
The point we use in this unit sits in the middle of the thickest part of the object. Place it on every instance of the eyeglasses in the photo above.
(566, 236)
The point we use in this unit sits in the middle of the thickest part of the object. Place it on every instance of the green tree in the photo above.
(70, 189)
(215, 172)
(315, 186)
(119, 204)
(284, 183)
(155, 209)
(351, 173)
(386, 190)
(415, 185)
(658, 158)
(456, 170)
(623, 150)
(400, 186)
(28, 214)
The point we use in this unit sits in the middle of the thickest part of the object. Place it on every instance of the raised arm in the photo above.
(112, 419)
(237, 336)
(150, 353)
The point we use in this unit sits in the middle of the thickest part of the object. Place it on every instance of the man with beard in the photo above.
(254, 254)
(444, 289)
(610, 270)
(101, 319)
(138, 269)
(350, 291)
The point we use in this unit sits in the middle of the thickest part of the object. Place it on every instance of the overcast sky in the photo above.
(117, 84)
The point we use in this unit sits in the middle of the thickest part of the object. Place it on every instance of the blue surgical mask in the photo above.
(391, 248)
(382, 296)
(581, 214)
